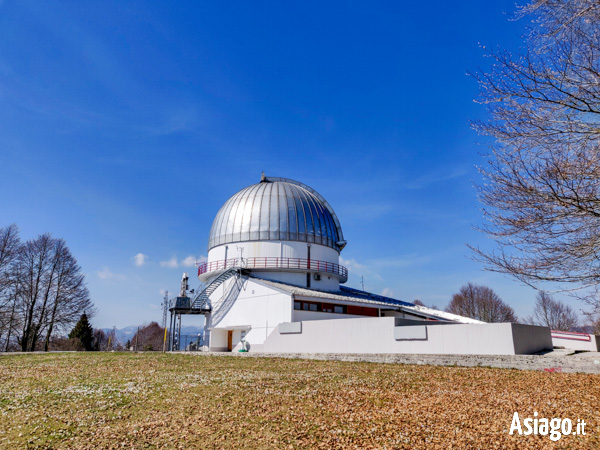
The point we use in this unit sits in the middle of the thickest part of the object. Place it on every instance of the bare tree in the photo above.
(51, 291)
(552, 313)
(541, 183)
(42, 290)
(70, 296)
(100, 341)
(113, 342)
(481, 303)
(149, 337)
(9, 248)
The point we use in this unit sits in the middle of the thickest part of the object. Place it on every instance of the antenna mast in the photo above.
(165, 308)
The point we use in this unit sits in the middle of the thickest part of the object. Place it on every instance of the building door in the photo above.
(230, 340)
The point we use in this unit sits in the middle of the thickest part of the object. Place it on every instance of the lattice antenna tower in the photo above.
(165, 308)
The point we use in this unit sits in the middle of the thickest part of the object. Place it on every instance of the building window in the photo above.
(330, 308)
(338, 309)
(361, 311)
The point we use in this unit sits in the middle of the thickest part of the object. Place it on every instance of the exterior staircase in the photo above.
(201, 299)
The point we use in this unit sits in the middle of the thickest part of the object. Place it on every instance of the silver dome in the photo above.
(277, 209)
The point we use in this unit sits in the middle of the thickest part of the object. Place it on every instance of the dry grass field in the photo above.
(116, 400)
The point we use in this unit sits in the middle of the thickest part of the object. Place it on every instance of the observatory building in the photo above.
(273, 282)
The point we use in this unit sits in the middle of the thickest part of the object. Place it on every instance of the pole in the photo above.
(171, 333)
(179, 334)
(137, 335)
(165, 340)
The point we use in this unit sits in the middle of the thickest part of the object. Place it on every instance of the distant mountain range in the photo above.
(125, 334)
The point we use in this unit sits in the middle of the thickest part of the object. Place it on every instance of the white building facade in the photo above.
(273, 265)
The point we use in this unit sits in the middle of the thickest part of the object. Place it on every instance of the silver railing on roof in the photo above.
(311, 265)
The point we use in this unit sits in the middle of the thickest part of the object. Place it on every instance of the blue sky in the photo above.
(124, 126)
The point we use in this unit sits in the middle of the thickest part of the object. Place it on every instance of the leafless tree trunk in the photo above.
(33, 265)
(541, 187)
(64, 268)
(11, 322)
(58, 248)
(9, 247)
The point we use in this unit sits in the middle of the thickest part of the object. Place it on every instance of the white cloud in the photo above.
(387, 292)
(189, 261)
(359, 269)
(351, 264)
(140, 259)
(106, 274)
(171, 263)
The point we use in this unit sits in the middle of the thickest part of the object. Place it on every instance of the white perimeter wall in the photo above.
(378, 335)
(593, 345)
(259, 307)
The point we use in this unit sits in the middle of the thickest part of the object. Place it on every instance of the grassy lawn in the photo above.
(106, 400)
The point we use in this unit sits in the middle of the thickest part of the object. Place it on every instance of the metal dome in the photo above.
(277, 209)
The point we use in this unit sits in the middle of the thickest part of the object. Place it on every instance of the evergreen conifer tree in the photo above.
(84, 332)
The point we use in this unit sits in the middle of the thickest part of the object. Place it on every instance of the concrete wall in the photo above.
(530, 339)
(380, 335)
(576, 341)
(256, 309)
(549, 362)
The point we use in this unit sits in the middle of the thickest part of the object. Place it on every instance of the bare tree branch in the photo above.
(541, 180)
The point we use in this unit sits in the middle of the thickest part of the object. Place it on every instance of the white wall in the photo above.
(587, 342)
(282, 249)
(327, 282)
(377, 335)
(218, 340)
(257, 309)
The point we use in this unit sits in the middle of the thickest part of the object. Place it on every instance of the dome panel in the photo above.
(277, 209)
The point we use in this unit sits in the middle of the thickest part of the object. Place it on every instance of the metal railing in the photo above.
(274, 263)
